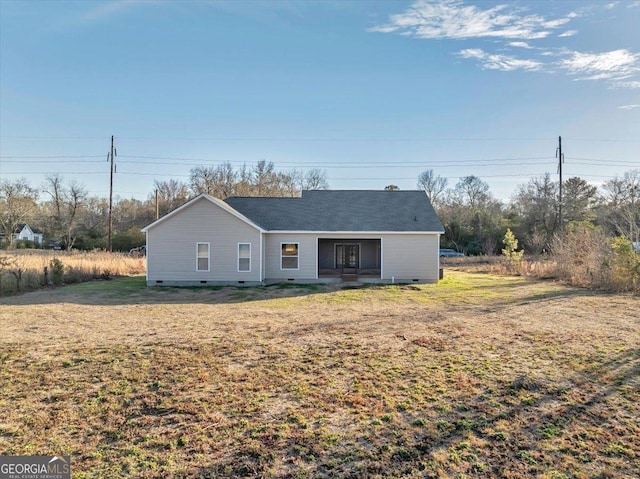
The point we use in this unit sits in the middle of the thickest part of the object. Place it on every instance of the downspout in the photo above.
(381, 259)
(261, 258)
(146, 255)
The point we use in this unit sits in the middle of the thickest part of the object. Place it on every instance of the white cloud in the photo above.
(520, 45)
(508, 25)
(629, 107)
(472, 53)
(436, 19)
(613, 65)
(504, 63)
(634, 84)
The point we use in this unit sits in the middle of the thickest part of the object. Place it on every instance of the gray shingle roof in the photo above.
(342, 210)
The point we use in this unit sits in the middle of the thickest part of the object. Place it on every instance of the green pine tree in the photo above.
(510, 246)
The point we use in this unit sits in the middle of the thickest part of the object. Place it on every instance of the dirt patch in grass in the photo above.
(478, 376)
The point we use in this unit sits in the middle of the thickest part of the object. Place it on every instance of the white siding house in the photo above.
(27, 233)
(324, 236)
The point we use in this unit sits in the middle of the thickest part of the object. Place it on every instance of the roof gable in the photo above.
(21, 226)
(219, 203)
(342, 210)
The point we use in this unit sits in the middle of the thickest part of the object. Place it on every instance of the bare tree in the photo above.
(536, 202)
(264, 179)
(621, 209)
(470, 215)
(66, 203)
(243, 185)
(226, 179)
(432, 185)
(315, 179)
(288, 183)
(17, 205)
(261, 180)
(202, 180)
(171, 194)
(471, 191)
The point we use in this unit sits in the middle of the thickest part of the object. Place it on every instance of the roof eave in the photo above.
(353, 232)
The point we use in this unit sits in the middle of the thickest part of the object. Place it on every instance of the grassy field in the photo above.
(478, 376)
(24, 270)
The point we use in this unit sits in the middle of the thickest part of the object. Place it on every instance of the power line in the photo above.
(360, 165)
(390, 177)
(50, 157)
(53, 172)
(321, 139)
(42, 161)
(337, 162)
(284, 138)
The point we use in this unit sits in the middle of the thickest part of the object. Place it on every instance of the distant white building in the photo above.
(28, 233)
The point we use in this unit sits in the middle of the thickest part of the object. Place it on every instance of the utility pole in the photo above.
(111, 198)
(157, 205)
(633, 233)
(560, 157)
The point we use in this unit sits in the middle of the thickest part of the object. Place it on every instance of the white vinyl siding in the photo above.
(289, 255)
(202, 256)
(244, 257)
(172, 245)
(172, 252)
(406, 257)
(307, 257)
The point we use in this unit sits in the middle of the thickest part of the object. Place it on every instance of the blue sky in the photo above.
(372, 92)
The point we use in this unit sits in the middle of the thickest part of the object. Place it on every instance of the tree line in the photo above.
(70, 218)
(475, 221)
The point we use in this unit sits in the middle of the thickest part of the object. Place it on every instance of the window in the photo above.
(202, 256)
(244, 256)
(289, 256)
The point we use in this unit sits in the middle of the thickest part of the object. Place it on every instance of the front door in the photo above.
(347, 255)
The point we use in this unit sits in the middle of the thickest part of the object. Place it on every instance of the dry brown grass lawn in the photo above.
(479, 376)
(24, 270)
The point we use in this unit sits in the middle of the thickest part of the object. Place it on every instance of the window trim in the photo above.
(297, 256)
(238, 257)
(208, 257)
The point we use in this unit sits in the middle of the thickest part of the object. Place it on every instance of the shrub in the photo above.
(582, 254)
(625, 265)
(57, 271)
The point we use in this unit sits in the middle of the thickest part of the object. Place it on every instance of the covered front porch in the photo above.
(351, 259)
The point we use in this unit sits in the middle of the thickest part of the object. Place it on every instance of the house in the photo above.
(28, 233)
(322, 236)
